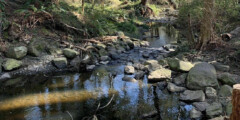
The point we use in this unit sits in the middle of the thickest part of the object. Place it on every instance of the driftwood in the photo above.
(236, 103)
(78, 47)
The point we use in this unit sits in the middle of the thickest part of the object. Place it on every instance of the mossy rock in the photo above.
(11, 64)
(16, 52)
(179, 65)
(70, 53)
(36, 47)
(60, 63)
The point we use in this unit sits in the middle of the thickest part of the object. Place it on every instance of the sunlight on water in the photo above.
(49, 98)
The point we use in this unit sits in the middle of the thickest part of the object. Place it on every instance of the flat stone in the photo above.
(192, 96)
(160, 74)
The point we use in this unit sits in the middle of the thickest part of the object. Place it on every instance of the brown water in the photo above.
(77, 96)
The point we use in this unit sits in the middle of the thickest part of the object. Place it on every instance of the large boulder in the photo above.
(70, 53)
(173, 88)
(60, 63)
(214, 110)
(226, 78)
(129, 70)
(160, 74)
(225, 91)
(192, 96)
(201, 76)
(11, 64)
(179, 65)
(16, 52)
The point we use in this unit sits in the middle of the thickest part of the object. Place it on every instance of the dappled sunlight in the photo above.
(50, 98)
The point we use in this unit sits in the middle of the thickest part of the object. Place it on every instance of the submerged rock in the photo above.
(11, 64)
(16, 52)
(60, 63)
(225, 91)
(214, 110)
(192, 96)
(179, 65)
(173, 88)
(129, 70)
(70, 53)
(159, 75)
(128, 79)
(201, 76)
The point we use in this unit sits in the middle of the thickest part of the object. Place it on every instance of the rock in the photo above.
(129, 43)
(36, 47)
(173, 88)
(153, 65)
(144, 43)
(211, 92)
(220, 118)
(16, 52)
(104, 58)
(70, 53)
(90, 67)
(114, 56)
(200, 106)
(160, 57)
(226, 78)
(139, 75)
(159, 75)
(214, 110)
(180, 80)
(86, 59)
(228, 108)
(146, 55)
(129, 79)
(163, 62)
(104, 62)
(138, 66)
(120, 34)
(11, 64)
(162, 85)
(60, 63)
(192, 96)
(179, 65)
(225, 91)
(195, 114)
(129, 70)
(5, 76)
(201, 76)
(220, 67)
(101, 46)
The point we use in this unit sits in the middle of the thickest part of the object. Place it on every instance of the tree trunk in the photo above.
(207, 33)
(83, 6)
(190, 31)
(236, 103)
(144, 2)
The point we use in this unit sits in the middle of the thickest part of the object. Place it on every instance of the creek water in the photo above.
(81, 96)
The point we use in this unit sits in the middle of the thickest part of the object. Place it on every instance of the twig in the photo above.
(70, 115)
(108, 102)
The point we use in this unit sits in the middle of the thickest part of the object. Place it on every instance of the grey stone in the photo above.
(129, 70)
(192, 96)
(90, 67)
(173, 88)
(180, 80)
(225, 91)
(214, 110)
(146, 55)
(220, 66)
(11, 64)
(16, 52)
(60, 63)
(226, 78)
(211, 92)
(104, 58)
(200, 106)
(228, 108)
(202, 75)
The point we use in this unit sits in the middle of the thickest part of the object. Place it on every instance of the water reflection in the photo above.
(79, 94)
